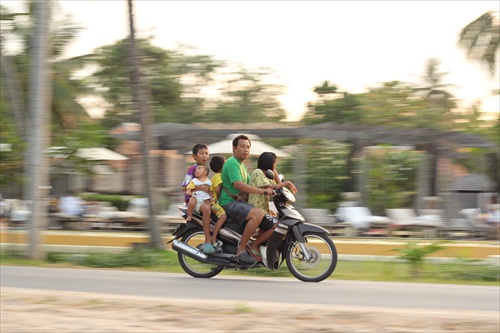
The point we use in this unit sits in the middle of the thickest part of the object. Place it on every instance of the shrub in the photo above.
(133, 258)
(470, 270)
(118, 201)
(415, 254)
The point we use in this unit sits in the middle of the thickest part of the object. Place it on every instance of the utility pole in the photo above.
(148, 170)
(39, 92)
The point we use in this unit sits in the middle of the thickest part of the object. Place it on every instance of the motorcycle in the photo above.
(309, 252)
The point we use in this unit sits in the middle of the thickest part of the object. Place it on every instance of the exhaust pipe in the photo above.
(188, 250)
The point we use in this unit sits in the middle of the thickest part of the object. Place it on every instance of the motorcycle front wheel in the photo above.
(322, 258)
(192, 266)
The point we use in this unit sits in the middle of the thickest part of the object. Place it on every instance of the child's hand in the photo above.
(204, 188)
(292, 187)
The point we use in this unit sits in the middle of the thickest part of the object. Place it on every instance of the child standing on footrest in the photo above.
(216, 165)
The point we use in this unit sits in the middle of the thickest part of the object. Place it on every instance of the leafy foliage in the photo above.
(118, 201)
(68, 116)
(390, 104)
(17, 29)
(476, 271)
(327, 171)
(11, 162)
(415, 254)
(480, 39)
(392, 179)
(247, 96)
(112, 80)
(395, 104)
(184, 87)
(434, 90)
(134, 258)
(459, 271)
(339, 110)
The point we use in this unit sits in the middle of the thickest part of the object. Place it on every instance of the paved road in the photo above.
(281, 290)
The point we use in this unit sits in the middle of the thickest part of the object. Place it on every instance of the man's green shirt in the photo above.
(232, 171)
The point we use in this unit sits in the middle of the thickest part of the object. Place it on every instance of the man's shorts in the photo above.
(239, 211)
(217, 209)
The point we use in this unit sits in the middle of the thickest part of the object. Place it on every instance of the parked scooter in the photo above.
(309, 252)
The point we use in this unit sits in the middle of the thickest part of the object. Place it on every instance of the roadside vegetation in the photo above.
(460, 271)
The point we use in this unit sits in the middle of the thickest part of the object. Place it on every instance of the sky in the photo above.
(352, 44)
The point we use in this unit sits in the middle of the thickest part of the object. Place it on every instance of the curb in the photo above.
(348, 249)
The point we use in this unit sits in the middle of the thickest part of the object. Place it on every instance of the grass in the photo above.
(243, 308)
(458, 272)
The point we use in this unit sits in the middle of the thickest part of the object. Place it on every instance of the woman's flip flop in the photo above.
(255, 254)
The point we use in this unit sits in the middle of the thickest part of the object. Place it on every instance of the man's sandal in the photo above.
(245, 258)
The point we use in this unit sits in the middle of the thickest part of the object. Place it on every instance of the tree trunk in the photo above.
(37, 184)
(148, 145)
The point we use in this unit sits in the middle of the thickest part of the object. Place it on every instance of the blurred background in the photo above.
(397, 106)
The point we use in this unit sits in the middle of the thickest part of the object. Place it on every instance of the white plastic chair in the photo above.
(361, 217)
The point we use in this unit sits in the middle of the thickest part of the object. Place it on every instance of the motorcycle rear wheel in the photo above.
(192, 266)
(322, 262)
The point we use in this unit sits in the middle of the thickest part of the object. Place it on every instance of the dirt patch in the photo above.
(33, 311)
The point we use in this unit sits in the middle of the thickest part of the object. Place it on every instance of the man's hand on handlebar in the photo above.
(268, 192)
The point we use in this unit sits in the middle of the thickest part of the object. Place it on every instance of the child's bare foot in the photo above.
(189, 218)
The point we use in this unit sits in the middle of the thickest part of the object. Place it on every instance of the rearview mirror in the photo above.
(270, 174)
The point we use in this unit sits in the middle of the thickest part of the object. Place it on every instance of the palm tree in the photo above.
(9, 71)
(140, 98)
(480, 39)
(434, 90)
(66, 113)
(37, 167)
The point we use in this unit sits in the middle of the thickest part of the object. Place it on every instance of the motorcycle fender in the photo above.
(182, 229)
(299, 229)
(303, 227)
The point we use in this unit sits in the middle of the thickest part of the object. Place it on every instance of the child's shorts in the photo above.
(217, 209)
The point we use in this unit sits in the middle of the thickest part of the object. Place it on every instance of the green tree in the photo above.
(327, 172)
(11, 161)
(480, 39)
(395, 104)
(175, 79)
(185, 87)
(470, 120)
(247, 96)
(112, 80)
(17, 29)
(67, 115)
(391, 178)
(86, 135)
(333, 106)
